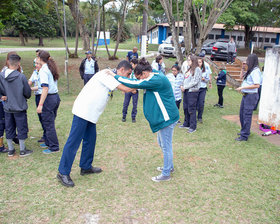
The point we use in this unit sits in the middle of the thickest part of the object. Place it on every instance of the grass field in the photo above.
(216, 179)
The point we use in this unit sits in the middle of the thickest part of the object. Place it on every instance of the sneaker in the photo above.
(191, 131)
(133, 120)
(161, 168)
(160, 178)
(221, 106)
(43, 145)
(25, 152)
(41, 140)
(217, 105)
(200, 121)
(48, 151)
(183, 126)
(11, 152)
(3, 149)
(123, 119)
(241, 139)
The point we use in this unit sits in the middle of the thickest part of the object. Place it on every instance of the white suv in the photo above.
(167, 48)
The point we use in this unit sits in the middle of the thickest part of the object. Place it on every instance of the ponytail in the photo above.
(45, 57)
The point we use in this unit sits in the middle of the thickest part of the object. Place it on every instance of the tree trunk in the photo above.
(248, 36)
(41, 41)
(120, 28)
(76, 34)
(61, 26)
(26, 38)
(104, 31)
(98, 27)
(73, 5)
(22, 42)
(187, 26)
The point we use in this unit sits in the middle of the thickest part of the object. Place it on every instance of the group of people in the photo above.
(161, 102)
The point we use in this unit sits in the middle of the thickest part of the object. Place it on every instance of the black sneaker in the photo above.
(200, 121)
(41, 140)
(133, 120)
(91, 171)
(25, 152)
(183, 126)
(11, 152)
(123, 119)
(65, 180)
(221, 106)
(217, 105)
(3, 149)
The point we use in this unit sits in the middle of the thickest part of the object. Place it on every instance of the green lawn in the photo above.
(13, 42)
(216, 179)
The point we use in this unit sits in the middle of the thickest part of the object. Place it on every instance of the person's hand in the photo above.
(182, 88)
(39, 109)
(203, 79)
(134, 91)
(210, 85)
(215, 77)
(238, 89)
(4, 98)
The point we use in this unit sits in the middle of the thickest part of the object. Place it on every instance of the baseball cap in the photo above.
(88, 52)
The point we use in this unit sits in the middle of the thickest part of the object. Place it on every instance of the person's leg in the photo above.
(220, 93)
(228, 57)
(37, 100)
(87, 77)
(200, 102)
(10, 126)
(72, 144)
(135, 102)
(231, 53)
(192, 100)
(185, 107)
(165, 137)
(249, 104)
(48, 118)
(88, 148)
(2, 128)
(22, 128)
(126, 102)
(241, 112)
(178, 102)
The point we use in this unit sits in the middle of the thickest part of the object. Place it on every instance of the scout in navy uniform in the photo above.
(191, 90)
(221, 84)
(158, 64)
(129, 95)
(14, 86)
(87, 108)
(132, 54)
(37, 88)
(249, 90)
(159, 109)
(49, 100)
(88, 67)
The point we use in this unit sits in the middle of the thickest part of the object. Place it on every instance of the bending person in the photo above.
(159, 109)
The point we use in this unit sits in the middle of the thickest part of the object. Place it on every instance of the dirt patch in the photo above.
(274, 139)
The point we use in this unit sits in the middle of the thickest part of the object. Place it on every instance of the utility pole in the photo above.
(144, 29)
(66, 46)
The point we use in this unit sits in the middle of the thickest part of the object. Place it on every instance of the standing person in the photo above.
(34, 61)
(231, 50)
(37, 88)
(87, 108)
(159, 109)
(127, 96)
(191, 89)
(221, 84)
(260, 88)
(49, 100)
(132, 54)
(203, 88)
(88, 67)
(249, 90)
(176, 79)
(158, 64)
(14, 86)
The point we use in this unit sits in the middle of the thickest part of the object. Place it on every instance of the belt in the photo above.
(245, 94)
(52, 93)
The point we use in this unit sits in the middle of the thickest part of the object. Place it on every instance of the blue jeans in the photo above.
(80, 130)
(164, 137)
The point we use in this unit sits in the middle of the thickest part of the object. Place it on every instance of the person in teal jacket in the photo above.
(159, 109)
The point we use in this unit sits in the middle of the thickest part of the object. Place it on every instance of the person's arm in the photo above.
(126, 89)
(44, 95)
(254, 86)
(26, 88)
(96, 67)
(82, 69)
(196, 79)
(29, 83)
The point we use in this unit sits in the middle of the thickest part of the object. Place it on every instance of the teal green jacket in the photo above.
(158, 101)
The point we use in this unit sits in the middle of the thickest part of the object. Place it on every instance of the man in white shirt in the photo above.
(88, 67)
(87, 109)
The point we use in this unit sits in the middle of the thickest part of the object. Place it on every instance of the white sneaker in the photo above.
(160, 178)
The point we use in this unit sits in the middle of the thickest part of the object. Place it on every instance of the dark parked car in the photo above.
(220, 50)
(207, 48)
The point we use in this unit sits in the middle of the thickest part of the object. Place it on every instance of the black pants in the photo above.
(87, 77)
(178, 102)
(220, 94)
(200, 102)
(247, 106)
(126, 102)
(16, 121)
(49, 113)
(190, 111)
(37, 100)
(2, 119)
(230, 57)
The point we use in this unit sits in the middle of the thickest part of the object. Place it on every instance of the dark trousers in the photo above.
(220, 94)
(17, 121)
(230, 57)
(185, 107)
(126, 102)
(87, 77)
(190, 111)
(80, 130)
(247, 106)
(178, 102)
(37, 100)
(259, 93)
(200, 102)
(49, 113)
(2, 120)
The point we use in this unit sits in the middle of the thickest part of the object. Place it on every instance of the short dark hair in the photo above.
(124, 64)
(14, 59)
(143, 65)
(37, 50)
(134, 61)
(177, 67)
(158, 58)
